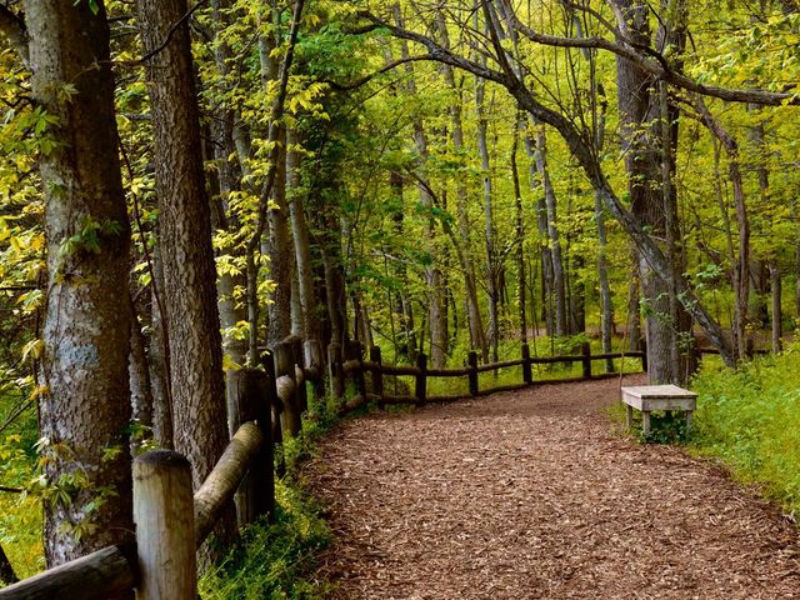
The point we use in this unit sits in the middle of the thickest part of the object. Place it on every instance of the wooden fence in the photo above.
(356, 367)
(172, 523)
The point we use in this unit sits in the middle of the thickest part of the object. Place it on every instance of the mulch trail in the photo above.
(532, 495)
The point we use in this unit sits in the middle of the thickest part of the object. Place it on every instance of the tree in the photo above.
(84, 402)
(190, 300)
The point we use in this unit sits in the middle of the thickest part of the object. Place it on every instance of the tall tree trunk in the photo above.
(86, 408)
(556, 254)
(760, 281)
(654, 203)
(302, 243)
(488, 215)
(280, 253)
(477, 336)
(193, 326)
(545, 257)
(404, 308)
(520, 238)
(634, 305)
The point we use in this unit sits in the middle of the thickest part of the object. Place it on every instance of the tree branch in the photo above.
(657, 66)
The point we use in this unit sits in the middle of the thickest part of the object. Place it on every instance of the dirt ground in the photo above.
(533, 495)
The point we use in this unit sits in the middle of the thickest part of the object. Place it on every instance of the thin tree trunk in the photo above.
(520, 239)
(302, 245)
(634, 305)
(777, 310)
(231, 312)
(280, 253)
(158, 352)
(404, 308)
(139, 375)
(488, 215)
(559, 283)
(741, 265)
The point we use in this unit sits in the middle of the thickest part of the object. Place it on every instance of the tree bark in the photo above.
(195, 345)
(84, 413)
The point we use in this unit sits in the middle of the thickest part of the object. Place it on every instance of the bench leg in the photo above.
(628, 416)
(646, 421)
(688, 421)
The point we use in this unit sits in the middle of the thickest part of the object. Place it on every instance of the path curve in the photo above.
(531, 495)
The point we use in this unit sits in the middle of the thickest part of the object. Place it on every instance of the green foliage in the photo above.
(90, 237)
(750, 419)
(20, 514)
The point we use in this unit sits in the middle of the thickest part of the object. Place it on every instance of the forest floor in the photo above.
(534, 495)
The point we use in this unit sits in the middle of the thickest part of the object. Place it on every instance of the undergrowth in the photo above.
(20, 514)
(750, 420)
(272, 560)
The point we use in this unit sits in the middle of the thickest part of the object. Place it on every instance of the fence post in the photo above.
(163, 510)
(421, 386)
(256, 494)
(276, 406)
(335, 366)
(472, 361)
(586, 352)
(377, 373)
(301, 394)
(284, 365)
(355, 353)
(643, 350)
(527, 372)
(314, 361)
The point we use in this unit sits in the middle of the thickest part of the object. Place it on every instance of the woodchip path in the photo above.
(532, 495)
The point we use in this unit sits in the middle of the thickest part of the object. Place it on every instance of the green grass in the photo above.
(271, 561)
(750, 420)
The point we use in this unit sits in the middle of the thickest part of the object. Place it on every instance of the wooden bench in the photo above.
(647, 398)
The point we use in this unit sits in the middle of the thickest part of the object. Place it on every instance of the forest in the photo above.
(184, 186)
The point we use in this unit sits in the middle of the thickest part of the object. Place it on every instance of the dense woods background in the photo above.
(182, 187)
